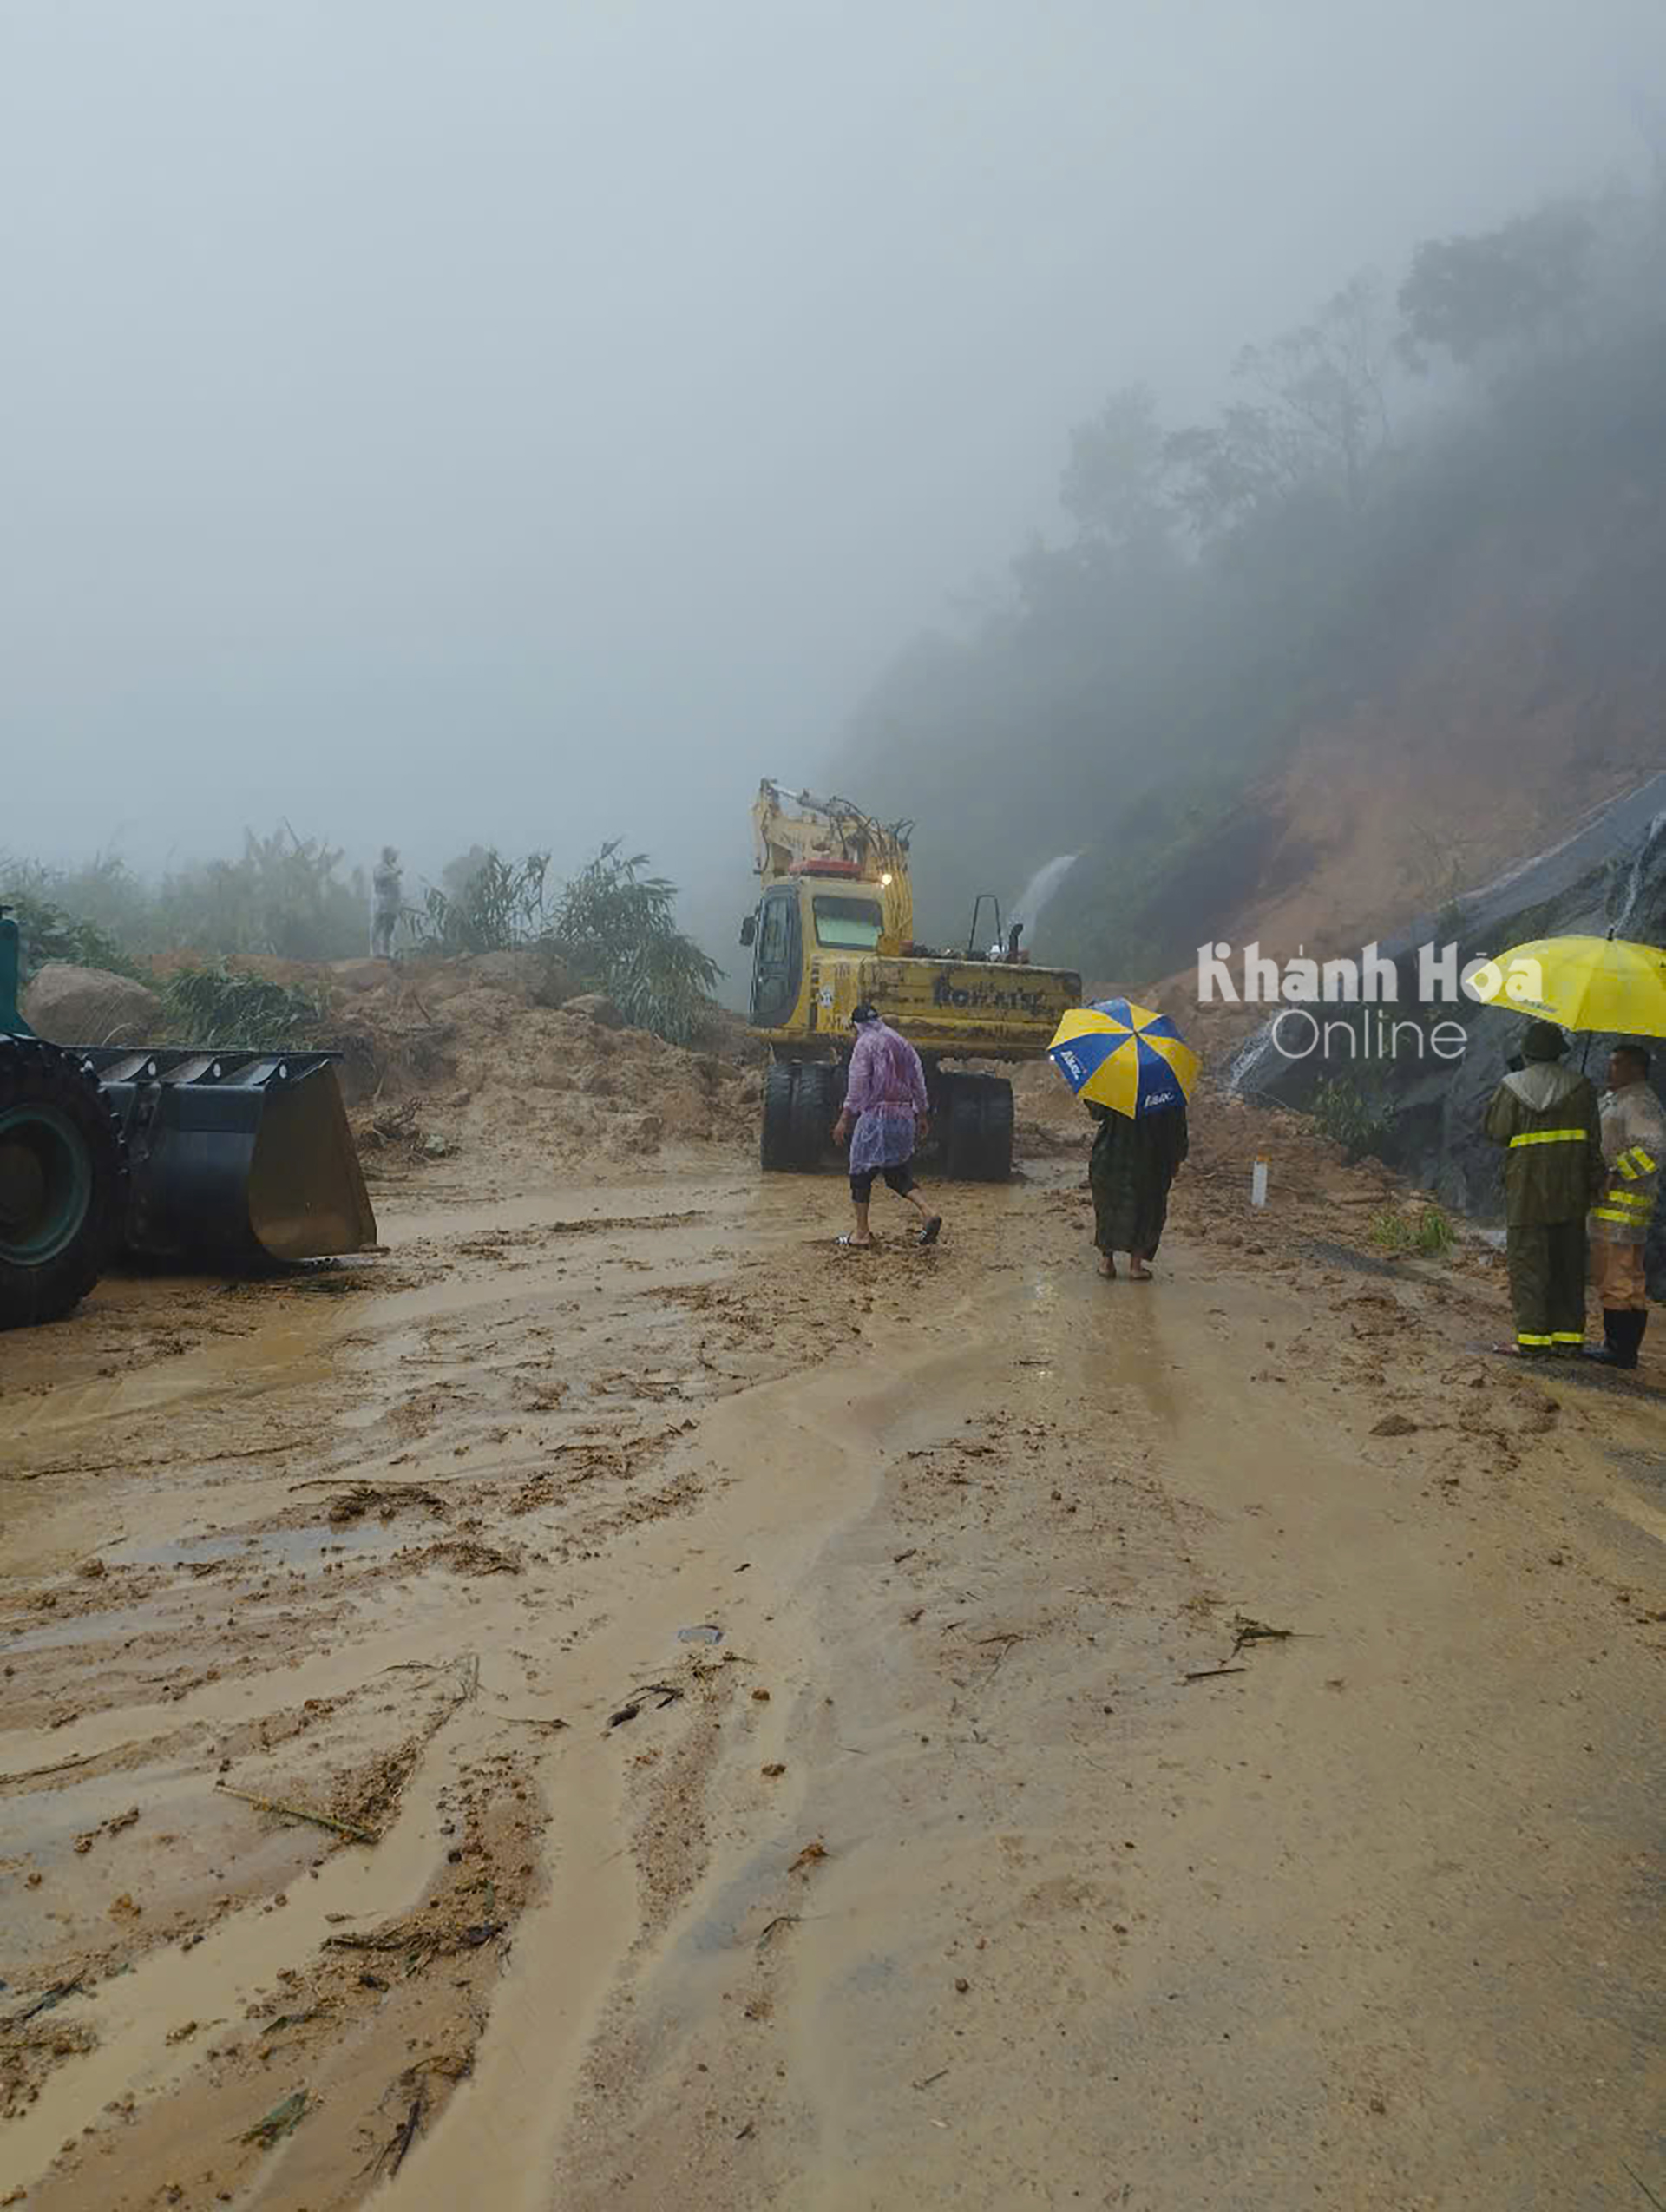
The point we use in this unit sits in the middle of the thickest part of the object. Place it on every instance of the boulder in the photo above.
(68, 1005)
(360, 975)
(599, 1008)
(536, 974)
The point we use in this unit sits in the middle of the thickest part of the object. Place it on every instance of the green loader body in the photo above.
(231, 1159)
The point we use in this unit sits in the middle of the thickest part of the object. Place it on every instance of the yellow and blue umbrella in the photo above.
(1123, 1056)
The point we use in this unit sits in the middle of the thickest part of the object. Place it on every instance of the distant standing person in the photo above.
(1545, 1117)
(1634, 1145)
(386, 898)
(1132, 1164)
(884, 1117)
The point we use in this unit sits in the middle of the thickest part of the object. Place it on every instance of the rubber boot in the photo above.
(1622, 1334)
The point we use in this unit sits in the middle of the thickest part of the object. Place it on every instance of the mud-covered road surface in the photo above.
(760, 1725)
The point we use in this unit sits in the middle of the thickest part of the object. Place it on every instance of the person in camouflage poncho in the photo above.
(1133, 1164)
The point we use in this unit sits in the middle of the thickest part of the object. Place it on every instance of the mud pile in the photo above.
(501, 1056)
(469, 1057)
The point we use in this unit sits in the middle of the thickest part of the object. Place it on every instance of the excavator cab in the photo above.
(777, 957)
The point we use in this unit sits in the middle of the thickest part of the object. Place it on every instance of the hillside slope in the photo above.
(1322, 664)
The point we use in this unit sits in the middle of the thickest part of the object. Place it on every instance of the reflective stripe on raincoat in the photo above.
(1547, 1117)
(1634, 1146)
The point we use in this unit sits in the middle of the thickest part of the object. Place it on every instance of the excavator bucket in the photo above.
(236, 1159)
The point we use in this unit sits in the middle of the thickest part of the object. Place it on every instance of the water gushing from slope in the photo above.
(1037, 894)
(1642, 870)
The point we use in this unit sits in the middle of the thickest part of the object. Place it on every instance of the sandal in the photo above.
(849, 1243)
(933, 1230)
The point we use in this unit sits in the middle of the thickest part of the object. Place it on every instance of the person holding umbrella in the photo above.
(1132, 1070)
(1606, 987)
(1545, 1117)
(1634, 1145)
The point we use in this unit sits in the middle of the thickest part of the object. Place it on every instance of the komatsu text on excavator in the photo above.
(833, 925)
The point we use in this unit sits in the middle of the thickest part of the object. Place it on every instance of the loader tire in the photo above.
(780, 1092)
(64, 1182)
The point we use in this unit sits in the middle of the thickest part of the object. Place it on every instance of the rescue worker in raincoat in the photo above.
(1545, 1116)
(1634, 1145)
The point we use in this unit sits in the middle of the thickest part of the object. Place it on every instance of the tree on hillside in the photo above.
(1134, 701)
(1115, 485)
(284, 896)
(1484, 298)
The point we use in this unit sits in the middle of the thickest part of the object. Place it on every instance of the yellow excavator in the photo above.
(834, 926)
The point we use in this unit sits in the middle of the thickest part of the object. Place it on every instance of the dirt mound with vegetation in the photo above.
(469, 1058)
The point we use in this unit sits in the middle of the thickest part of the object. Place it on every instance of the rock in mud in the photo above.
(535, 975)
(87, 1005)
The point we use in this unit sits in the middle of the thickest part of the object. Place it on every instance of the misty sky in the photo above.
(533, 420)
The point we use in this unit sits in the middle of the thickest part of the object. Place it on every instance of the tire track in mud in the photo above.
(720, 1420)
(195, 1564)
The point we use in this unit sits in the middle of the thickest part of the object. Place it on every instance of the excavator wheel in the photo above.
(978, 1131)
(997, 1130)
(780, 1093)
(799, 1112)
(64, 1182)
(813, 1113)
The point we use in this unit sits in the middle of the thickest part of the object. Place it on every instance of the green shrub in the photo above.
(490, 905)
(1360, 1121)
(614, 925)
(217, 1008)
(47, 932)
(1426, 1234)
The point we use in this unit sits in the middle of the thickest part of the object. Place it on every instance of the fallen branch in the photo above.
(302, 1812)
(55, 1995)
(1257, 1631)
(1645, 2187)
(407, 2134)
(58, 1767)
(1209, 1674)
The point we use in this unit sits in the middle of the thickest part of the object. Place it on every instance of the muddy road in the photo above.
(758, 1725)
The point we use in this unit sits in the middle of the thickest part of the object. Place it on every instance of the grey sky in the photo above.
(532, 420)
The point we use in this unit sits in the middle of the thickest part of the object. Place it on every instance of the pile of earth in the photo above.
(498, 1055)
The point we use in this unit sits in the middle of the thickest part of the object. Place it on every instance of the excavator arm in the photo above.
(793, 827)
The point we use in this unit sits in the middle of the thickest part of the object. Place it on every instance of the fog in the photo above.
(531, 422)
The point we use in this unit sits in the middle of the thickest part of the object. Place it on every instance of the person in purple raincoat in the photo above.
(884, 1117)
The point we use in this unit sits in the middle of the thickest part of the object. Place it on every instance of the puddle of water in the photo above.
(290, 1547)
(92, 1628)
(319, 1544)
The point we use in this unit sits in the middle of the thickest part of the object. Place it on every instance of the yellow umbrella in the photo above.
(1604, 983)
(1123, 1056)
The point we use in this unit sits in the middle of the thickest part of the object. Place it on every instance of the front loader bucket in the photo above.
(236, 1157)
